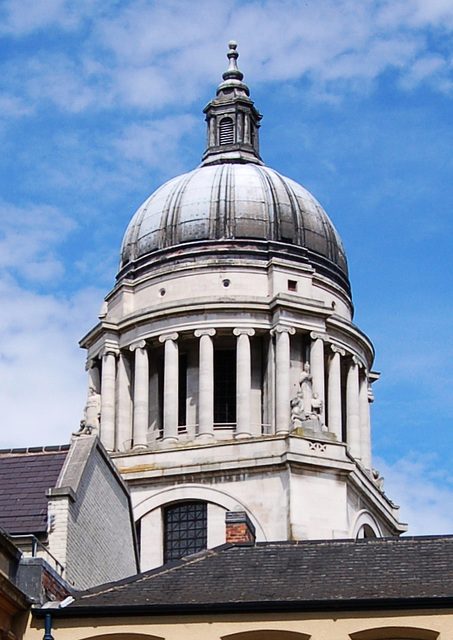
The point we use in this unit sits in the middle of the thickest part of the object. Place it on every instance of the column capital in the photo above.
(248, 331)
(356, 360)
(282, 329)
(204, 332)
(314, 335)
(168, 336)
(109, 349)
(337, 349)
(141, 344)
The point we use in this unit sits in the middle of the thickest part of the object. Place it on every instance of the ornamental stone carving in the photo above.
(89, 425)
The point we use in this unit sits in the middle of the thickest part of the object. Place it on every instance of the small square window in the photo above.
(292, 285)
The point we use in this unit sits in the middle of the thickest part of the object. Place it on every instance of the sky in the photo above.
(101, 101)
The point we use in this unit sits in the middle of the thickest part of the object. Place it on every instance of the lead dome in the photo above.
(232, 195)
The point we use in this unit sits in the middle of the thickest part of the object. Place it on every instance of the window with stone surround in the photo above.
(185, 529)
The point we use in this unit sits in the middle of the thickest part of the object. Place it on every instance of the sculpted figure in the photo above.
(297, 410)
(316, 406)
(306, 388)
(91, 414)
(378, 479)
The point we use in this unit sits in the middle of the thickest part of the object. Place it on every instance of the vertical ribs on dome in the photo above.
(233, 121)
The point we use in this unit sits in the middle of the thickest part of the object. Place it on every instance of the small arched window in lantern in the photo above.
(226, 131)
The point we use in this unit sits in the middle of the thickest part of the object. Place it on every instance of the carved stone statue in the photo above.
(298, 414)
(306, 388)
(378, 479)
(306, 407)
(89, 424)
(316, 406)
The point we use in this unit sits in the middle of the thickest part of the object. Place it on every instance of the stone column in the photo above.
(108, 382)
(141, 395)
(206, 384)
(334, 392)
(171, 385)
(282, 378)
(317, 370)
(365, 423)
(352, 408)
(243, 382)
(124, 405)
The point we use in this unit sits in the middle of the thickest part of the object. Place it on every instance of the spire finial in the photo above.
(233, 71)
(233, 121)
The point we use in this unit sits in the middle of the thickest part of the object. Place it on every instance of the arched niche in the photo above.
(196, 492)
(150, 513)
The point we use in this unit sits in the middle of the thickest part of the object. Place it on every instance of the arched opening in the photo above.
(226, 131)
(366, 531)
(395, 633)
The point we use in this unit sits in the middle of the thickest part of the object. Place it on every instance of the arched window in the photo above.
(226, 131)
(185, 529)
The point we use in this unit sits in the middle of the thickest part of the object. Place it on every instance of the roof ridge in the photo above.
(56, 448)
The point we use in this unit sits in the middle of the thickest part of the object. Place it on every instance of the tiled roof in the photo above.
(25, 476)
(281, 574)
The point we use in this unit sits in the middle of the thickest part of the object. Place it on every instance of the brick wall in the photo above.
(239, 527)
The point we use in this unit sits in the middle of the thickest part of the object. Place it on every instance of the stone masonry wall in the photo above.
(100, 545)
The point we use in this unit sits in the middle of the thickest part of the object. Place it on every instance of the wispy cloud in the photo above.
(42, 377)
(29, 240)
(149, 55)
(423, 490)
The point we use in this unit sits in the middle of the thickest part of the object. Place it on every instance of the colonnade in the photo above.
(339, 380)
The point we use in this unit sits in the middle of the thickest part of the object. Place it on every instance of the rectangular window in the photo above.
(182, 391)
(225, 387)
(185, 529)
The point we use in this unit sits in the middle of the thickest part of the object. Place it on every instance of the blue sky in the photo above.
(101, 101)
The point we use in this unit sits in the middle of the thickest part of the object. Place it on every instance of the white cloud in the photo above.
(29, 237)
(150, 55)
(156, 142)
(42, 377)
(424, 492)
(22, 17)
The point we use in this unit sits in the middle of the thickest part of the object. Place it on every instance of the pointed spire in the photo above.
(233, 121)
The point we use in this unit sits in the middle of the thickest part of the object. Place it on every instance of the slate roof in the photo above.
(285, 575)
(25, 476)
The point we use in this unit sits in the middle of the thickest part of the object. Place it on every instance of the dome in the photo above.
(232, 200)
(233, 195)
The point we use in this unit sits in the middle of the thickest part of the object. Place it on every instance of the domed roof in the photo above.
(232, 195)
(232, 201)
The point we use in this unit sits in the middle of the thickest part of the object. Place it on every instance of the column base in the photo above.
(242, 436)
(204, 438)
(139, 447)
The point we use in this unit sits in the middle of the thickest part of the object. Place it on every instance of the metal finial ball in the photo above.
(232, 44)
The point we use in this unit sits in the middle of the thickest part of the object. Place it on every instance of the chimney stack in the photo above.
(239, 527)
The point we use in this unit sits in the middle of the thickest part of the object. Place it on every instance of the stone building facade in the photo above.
(225, 367)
